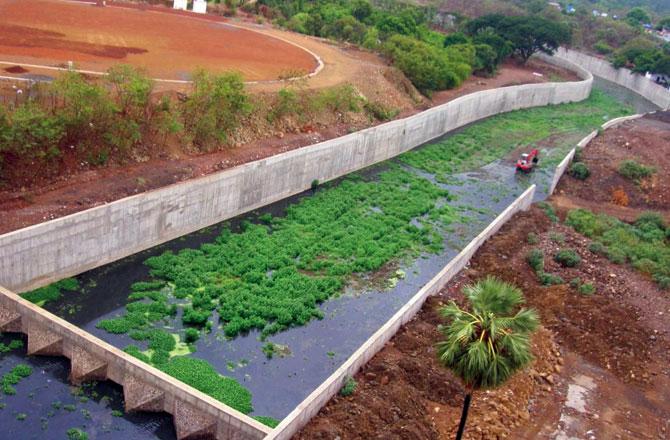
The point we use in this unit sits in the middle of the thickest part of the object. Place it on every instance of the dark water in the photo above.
(313, 351)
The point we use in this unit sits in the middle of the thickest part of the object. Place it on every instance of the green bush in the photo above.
(567, 258)
(76, 434)
(587, 289)
(215, 108)
(548, 279)
(340, 99)
(598, 248)
(379, 111)
(288, 103)
(532, 238)
(603, 48)
(635, 171)
(31, 134)
(579, 170)
(535, 259)
(349, 387)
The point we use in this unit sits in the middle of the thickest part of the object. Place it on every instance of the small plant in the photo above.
(380, 111)
(549, 211)
(575, 283)
(117, 413)
(587, 289)
(579, 171)
(634, 170)
(21, 416)
(532, 238)
(69, 407)
(349, 387)
(315, 184)
(557, 237)
(549, 279)
(535, 259)
(567, 258)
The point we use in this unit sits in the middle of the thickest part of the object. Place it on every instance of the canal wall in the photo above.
(309, 407)
(145, 388)
(49, 251)
(624, 77)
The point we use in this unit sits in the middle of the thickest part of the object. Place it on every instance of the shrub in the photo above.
(603, 48)
(532, 238)
(380, 111)
(32, 134)
(557, 237)
(616, 255)
(579, 170)
(587, 289)
(598, 248)
(548, 279)
(549, 211)
(567, 258)
(535, 259)
(635, 171)
(575, 282)
(287, 103)
(339, 99)
(215, 108)
(349, 387)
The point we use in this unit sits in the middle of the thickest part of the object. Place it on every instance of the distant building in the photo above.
(570, 9)
(180, 4)
(200, 6)
(663, 80)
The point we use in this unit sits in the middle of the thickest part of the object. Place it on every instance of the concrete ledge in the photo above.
(319, 397)
(48, 334)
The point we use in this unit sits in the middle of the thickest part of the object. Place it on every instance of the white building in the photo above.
(180, 4)
(200, 6)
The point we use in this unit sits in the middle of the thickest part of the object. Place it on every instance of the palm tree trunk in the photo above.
(464, 416)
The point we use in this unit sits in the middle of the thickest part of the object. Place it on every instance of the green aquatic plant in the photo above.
(52, 292)
(13, 377)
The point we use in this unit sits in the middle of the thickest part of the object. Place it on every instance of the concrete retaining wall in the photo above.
(315, 401)
(624, 77)
(39, 254)
(145, 388)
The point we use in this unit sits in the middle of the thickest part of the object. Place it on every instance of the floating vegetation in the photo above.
(52, 292)
(8, 380)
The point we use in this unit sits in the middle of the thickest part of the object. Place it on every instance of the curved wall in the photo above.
(39, 254)
(624, 77)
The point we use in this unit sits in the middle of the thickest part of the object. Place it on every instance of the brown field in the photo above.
(168, 46)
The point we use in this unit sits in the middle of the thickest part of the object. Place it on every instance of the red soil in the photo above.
(170, 46)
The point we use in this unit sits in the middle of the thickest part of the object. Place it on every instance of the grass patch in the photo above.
(567, 258)
(267, 421)
(644, 244)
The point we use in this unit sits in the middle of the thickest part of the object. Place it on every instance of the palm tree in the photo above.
(487, 345)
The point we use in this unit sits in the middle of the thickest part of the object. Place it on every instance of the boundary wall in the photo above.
(37, 255)
(319, 397)
(624, 77)
(145, 388)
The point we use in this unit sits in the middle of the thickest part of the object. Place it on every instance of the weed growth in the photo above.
(52, 292)
(349, 387)
(567, 258)
(635, 171)
(644, 244)
(579, 170)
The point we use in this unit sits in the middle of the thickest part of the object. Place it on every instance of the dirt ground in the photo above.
(49, 32)
(647, 140)
(602, 361)
(81, 186)
(601, 368)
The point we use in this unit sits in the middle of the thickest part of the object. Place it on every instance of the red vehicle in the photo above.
(527, 161)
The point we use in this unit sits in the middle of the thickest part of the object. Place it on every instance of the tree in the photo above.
(488, 344)
(527, 34)
(637, 16)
